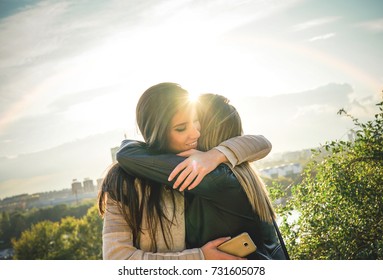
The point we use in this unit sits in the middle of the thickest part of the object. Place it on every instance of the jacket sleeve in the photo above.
(118, 242)
(136, 159)
(139, 161)
(245, 148)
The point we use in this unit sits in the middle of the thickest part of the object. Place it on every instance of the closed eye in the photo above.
(180, 129)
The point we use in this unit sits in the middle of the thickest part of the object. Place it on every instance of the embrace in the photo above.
(189, 187)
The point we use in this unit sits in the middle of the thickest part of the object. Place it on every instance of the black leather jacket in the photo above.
(217, 207)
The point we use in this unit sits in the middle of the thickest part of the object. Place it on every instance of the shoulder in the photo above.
(223, 173)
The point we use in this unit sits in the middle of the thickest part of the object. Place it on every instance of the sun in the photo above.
(193, 97)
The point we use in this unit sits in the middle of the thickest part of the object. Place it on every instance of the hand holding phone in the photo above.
(240, 246)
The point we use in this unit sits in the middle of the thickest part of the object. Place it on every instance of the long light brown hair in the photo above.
(220, 121)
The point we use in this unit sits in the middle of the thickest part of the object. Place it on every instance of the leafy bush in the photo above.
(340, 200)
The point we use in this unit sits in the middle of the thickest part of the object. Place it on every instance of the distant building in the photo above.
(88, 185)
(76, 187)
(282, 170)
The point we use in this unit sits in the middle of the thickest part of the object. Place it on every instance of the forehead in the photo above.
(183, 115)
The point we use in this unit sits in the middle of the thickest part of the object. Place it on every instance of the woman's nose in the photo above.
(196, 131)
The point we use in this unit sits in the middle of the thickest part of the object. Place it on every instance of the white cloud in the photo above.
(40, 46)
(363, 108)
(212, 17)
(312, 110)
(297, 120)
(374, 25)
(27, 35)
(322, 37)
(314, 23)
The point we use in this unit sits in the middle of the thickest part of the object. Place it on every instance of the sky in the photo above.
(71, 73)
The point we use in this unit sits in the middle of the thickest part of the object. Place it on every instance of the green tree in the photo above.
(12, 224)
(37, 243)
(340, 200)
(18, 223)
(5, 229)
(69, 239)
(90, 236)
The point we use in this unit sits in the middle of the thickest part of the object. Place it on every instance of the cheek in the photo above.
(175, 140)
(179, 139)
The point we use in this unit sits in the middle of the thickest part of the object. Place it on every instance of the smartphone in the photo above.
(240, 246)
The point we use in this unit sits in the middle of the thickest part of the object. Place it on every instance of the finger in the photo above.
(219, 241)
(188, 180)
(181, 166)
(196, 181)
(185, 153)
(224, 255)
(182, 176)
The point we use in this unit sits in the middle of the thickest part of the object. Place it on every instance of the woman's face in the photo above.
(184, 131)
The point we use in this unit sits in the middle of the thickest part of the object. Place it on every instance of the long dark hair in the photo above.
(134, 196)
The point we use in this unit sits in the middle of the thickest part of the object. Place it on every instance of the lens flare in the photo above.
(193, 97)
